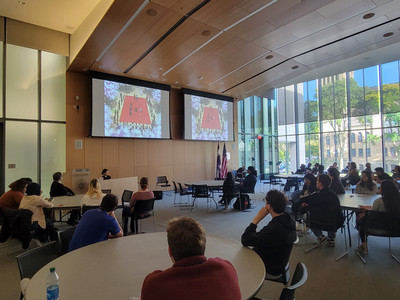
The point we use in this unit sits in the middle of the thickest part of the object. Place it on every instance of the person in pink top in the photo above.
(143, 194)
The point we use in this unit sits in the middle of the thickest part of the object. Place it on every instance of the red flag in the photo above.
(224, 169)
(218, 173)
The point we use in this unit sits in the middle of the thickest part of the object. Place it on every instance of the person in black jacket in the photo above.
(336, 185)
(228, 190)
(58, 189)
(249, 181)
(274, 242)
(325, 211)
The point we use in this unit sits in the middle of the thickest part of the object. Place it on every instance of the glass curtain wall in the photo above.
(258, 134)
(353, 116)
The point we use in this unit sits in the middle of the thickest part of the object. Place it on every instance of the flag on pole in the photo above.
(224, 169)
(218, 171)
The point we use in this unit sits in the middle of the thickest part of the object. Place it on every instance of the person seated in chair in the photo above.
(274, 242)
(94, 195)
(389, 202)
(43, 226)
(228, 190)
(97, 224)
(58, 189)
(249, 182)
(192, 275)
(143, 194)
(325, 211)
(12, 198)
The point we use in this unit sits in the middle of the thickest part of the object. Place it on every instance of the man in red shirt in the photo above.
(192, 276)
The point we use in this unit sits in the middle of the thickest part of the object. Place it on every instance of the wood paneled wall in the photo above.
(179, 160)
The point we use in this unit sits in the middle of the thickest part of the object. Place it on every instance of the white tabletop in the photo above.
(353, 201)
(67, 202)
(115, 269)
(286, 176)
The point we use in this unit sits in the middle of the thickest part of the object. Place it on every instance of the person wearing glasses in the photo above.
(273, 243)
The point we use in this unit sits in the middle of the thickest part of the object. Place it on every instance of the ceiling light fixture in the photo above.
(388, 34)
(368, 16)
(152, 12)
(206, 33)
(269, 56)
(295, 67)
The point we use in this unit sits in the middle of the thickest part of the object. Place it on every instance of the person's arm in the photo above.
(120, 233)
(250, 237)
(45, 203)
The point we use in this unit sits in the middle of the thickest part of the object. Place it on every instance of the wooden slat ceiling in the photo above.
(241, 47)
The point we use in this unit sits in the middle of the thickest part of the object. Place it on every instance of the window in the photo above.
(368, 152)
(328, 153)
(386, 151)
(353, 138)
(360, 152)
(328, 140)
(353, 152)
(392, 151)
(360, 137)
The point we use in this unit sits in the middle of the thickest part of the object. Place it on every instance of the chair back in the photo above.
(379, 223)
(162, 181)
(300, 277)
(158, 195)
(106, 191)
(175, 187)
(33, 260)
(126, 197)
(143, 206)
(64, 238)
(200, 191)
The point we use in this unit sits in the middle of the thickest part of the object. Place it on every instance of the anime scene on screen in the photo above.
(210, 119)
(132, 111)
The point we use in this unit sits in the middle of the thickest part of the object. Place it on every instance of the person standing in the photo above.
(192, 275)
(105, 175)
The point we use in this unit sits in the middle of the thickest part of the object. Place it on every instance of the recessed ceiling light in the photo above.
(269, 56)
(368, 16)
(295, 67)
(152, 12)
(206, 33)
(388, 34)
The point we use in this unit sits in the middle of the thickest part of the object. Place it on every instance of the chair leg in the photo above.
(345, 244)
(390, 251)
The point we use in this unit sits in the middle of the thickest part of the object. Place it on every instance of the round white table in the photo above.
(115, 269)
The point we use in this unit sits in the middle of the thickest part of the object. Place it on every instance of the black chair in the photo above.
(64, 238)
(273, 180)
(126, 211)
(176, 191)
(285, 275)
(184, 192)
(162, 181)
(202, 191)
(106, 191)
(143, 209)
(33, 260)
(17, 224)
(300, 277)
(85, 208)
(378, 223)
(229, 197)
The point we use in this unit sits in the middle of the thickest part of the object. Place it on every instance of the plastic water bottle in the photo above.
(52, 285)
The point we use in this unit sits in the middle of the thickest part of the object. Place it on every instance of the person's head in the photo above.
(33, 189)
(94, 188)
(144, 182)
(302, 166)
(109, 203)
(310, 179)
(186, 238)
(323, 181)
(251, 170)
(368, 165)
(19, 185)
(334, 164)
(27, 179)
(379, 171)
(396, 169)
(391, 198)
(353, 165)
(366, 179)
(104, 172)
(229, 176)
(57, 176)
(276, 201)
(349, 164)
(316, 165)
(333, 173)
(321, 169)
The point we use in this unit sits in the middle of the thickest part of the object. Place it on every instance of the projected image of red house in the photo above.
(210, 119)
(135, 110)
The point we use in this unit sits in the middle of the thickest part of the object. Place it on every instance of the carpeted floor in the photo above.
(328, 279)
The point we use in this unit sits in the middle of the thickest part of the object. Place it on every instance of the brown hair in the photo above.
(18, 185)
(144, 182)
(186, 237)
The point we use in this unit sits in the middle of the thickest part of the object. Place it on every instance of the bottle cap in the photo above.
(52, 269)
